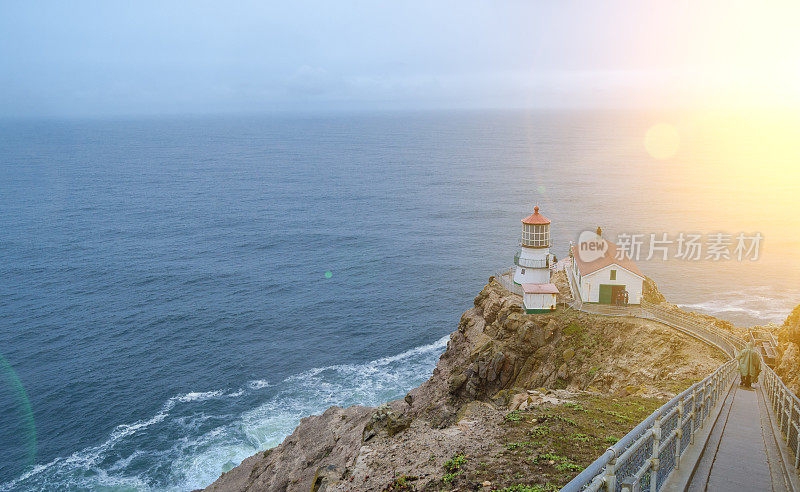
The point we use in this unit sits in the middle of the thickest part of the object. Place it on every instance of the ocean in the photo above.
(177, 292)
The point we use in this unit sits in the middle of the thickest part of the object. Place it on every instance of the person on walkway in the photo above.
(749, 365)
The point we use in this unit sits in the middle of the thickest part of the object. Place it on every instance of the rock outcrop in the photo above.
(787, 364)
(650, 292)
(498, 360)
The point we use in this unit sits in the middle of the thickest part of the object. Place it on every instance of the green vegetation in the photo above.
(455, 463)
(545, 446)
(579, 336)
(573, 329)
(618, 415)
(529, 488)
(402, 484)
(454, 467)
(558, 418)
(581, 437)
(561, 463)
(451, 476)
(539, 431)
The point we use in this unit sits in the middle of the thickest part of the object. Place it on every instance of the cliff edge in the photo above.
(515, 399)
(787, 364)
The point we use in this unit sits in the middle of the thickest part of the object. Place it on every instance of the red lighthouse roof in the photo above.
(536, 218)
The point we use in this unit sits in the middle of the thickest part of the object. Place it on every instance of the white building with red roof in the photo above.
(532, 265)
(612, 278)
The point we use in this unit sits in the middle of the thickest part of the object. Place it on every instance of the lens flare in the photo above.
(8, 377)
(662, 141)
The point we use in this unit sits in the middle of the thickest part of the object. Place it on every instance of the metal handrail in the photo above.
(786, 407)
(531, 263)
(644, 458)
(727, 342)
(506, 279)
(604, 473)
(646, 452)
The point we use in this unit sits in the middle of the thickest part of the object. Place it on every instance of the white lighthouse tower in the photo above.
(533, 263)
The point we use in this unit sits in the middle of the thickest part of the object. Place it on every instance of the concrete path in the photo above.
(739, 455)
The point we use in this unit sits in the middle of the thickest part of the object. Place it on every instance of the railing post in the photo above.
(775, 402)
(797, 450)
(629, 485)
(715, 389)
(679, 436)
(772, 395)
(654, 460)
(611, 476)
(782, 406)
(692, 419)
(702, 410)
(774, 389)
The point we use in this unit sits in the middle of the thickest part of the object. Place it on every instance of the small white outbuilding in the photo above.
(613, 278)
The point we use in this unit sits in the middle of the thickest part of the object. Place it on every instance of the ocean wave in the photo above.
(198, 453)
(258, 384)
(756, 306)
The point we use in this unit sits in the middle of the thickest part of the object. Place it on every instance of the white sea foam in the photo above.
(756, 306)
(198, 457)
(197, 396)
(258, 384)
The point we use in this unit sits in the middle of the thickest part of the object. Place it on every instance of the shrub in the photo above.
(455, 463)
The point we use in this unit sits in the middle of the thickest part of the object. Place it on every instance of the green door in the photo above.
(605, 293)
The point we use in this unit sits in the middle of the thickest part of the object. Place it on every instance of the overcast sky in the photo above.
(166, 57)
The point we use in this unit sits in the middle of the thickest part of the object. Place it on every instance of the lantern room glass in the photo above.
(536, 235)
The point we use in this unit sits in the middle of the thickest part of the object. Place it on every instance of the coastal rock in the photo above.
(330, 439)
(787, 364)
(385, 420)
(325, 476)
(650, 292)
(499, 359)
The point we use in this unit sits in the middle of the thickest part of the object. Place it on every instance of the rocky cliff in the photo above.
(515, 399)
(787, 365)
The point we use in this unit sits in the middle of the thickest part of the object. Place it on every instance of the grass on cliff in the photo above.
(544, 447)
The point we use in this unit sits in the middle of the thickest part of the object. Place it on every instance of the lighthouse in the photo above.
(532, 264)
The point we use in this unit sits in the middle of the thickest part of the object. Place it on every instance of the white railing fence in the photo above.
(786, 407)
(645, 457)
(506, 279)
(727, 342)
(646, 452)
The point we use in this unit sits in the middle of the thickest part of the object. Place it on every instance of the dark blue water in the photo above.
(164, 304)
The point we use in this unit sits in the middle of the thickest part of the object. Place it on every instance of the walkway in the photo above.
(734, 443)
(714, 436)
(735, 456)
